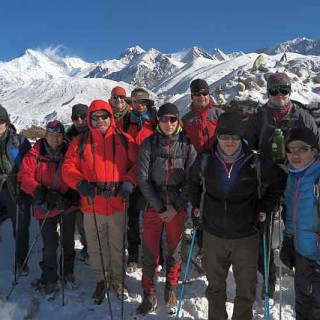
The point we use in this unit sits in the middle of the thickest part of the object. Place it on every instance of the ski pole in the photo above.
(280, 268)
(16, 244)
(124, 221)
(185, 277)
(266, 274)
(29, 253)
(91, 202)
(62, 254)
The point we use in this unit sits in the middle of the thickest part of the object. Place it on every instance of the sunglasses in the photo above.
(140, 101)
(166, 119)
(298, 149)
(118, 97)
(55, 129)
(82, 117)
(279, 91)
(199, 94)
(100, 116)
(229, 137)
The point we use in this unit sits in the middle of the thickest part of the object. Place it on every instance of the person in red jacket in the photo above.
(40, 177)
(101, 166)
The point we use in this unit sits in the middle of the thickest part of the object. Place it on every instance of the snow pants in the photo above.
(218, 255)
(152, 233)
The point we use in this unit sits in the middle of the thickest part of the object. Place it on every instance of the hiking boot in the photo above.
(171, 299)
(132, 267)
(50, 290)
(83, 254)
(118, 291)
(70, 282)
(99, 293)
(24, 271)
(148, 304)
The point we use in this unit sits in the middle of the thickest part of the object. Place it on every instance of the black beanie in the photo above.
(199, 85)
(168, 108)
(303, 134)
(79, 110)
(4, 114)
(231, 122)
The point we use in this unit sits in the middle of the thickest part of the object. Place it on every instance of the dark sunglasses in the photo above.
(75, 118)
(279, 91)
(165, 119)
(229, 137)
(101, 116)
(118, 97)
(141, 101)
(298, 149)
(55, 129)
(199, 94)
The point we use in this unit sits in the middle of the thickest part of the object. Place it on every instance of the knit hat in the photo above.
(79, 110)
(199, 85)
(4, 114)
(118, 91)
(55, 126)
(168, 108)
(231, 122)
(141, 94)
(303, 134)
(278, 78)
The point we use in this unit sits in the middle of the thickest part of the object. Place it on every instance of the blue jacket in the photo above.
(302, 221)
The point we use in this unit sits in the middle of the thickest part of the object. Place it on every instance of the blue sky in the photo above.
(102, 29)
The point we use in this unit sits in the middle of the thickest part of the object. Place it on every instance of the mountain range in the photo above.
(38, 86)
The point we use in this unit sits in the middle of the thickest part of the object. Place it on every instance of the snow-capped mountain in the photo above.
(37, 87)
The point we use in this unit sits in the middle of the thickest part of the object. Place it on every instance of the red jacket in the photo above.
(38, 169)
(200, 125)
(104, 160)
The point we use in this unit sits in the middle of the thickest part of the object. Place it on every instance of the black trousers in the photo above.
(307, 288)
(50, 239)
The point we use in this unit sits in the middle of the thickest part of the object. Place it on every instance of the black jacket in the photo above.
(233, 214)
(162, 168)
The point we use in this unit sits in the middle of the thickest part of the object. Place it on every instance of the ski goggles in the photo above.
(55, 129)
(281, 90)
(82, 117)
(166, 119)
(104, 116)
(118, 97)
(298, 149)
(199, 94)
(234, 137)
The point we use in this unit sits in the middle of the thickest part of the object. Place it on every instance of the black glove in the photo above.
(53, 198)
(23, 199)
(40, 195)
(195, 217)
(125, 189)
(86, 189)
(287, 253)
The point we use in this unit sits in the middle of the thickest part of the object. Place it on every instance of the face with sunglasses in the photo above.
(54, 137)
(140, 105)
(229, 143)
(299, 154)
(100, 120)
(118, 103)
(200, 99)
(168, 124)
(279, 95)
(80, 121)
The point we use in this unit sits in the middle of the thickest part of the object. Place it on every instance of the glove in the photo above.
(125, 189)
(287, 253)
(53, 197)
(40, 195)
(86, 189)
(108, 193)
(23, 199)
(195, 217)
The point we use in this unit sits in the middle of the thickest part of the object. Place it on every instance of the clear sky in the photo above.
(102, 29)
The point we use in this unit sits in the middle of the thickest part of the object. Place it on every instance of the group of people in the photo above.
(123, 157)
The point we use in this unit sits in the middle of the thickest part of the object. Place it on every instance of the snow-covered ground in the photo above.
(78, 304)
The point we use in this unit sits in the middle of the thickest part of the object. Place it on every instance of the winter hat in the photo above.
(141, 94)
(79, 110)
(118, 91)
(4, 114)
(278, 78)
(231, 122)
(199, 85)
(55, 126)
(168, 108)
(303, 134)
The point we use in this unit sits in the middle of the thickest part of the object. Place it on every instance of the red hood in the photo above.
(100, 105)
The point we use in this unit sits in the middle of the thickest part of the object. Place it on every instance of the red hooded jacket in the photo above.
(105, 160)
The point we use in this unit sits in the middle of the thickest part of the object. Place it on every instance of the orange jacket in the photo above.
(105, 160)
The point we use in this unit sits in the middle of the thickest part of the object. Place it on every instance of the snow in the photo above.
(78, 303)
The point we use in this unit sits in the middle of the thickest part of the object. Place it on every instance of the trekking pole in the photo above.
(280, 269)
(16, 244)
(185, 277)
(29, 253)
(62, 254)
(266, 274)
(91, 202)
(124, 221)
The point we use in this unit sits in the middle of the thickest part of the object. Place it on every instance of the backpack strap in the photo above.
(257, 167)
(316, 193)
(81, 145)
(203, 165)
